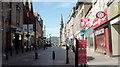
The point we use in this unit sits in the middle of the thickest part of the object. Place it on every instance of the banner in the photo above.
(28, 28)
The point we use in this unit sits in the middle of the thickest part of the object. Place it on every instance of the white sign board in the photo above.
(28, 28)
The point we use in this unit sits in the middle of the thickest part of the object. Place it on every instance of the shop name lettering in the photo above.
(99, 21)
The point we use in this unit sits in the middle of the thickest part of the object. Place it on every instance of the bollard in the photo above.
(6, 56)
(36, 55)
(10, 53)
(53, 55)
(30, 47)
(22, 49)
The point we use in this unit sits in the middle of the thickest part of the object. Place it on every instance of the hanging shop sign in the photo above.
(85, 22)
(82, 32)
(16, 30)
(97, 21)
(100, 14)
(28, 28)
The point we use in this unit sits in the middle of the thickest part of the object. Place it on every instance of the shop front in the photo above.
(101, 35)
(16, 39)
(114, 18)
(89, 36)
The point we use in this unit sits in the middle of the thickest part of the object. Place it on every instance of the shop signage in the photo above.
(82, 32)
(85, 22)
(97, 22)
(100, 14)
(18, 30)
(30, 28)
(82, 55)
(101, 31)
(13, 30)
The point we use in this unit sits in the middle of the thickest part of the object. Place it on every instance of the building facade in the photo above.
(39, 30)
(0, 28)
(17, 21)
(101, 34)
(114, 26)
(16, 25)
(73, 27)
(100, 31)
(28, 23)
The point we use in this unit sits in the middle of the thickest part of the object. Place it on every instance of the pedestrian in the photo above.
(53, 55)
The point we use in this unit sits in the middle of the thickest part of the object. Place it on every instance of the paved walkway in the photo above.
(0, 59)
(95, 58)
(45, 58)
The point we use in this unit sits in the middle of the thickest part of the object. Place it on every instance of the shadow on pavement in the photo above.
(89, 58)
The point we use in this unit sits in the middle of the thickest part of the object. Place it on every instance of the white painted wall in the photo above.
(115, 39)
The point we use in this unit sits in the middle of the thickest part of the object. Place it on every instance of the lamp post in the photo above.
(27, 35)
(76, 53)
(67, 48)
(50, 38)
(66, 41)
(36, 54)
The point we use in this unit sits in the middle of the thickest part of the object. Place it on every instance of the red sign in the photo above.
(82, 52)
(100, 14)
(85, 22)
(97, 22)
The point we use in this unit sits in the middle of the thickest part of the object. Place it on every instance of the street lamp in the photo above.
(67, 48)
(36, 54)
(50, 39)
(27, 35)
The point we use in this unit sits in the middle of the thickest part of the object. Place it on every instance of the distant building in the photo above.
(54, 41)
(39, 30)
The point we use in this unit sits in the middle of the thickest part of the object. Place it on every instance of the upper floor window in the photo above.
(18, 14)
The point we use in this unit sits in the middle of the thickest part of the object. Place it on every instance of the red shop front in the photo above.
(101, 34)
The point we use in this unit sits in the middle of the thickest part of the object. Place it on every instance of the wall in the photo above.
(113, 10)
(14, 14)
(0, 29)
(5, 23)
(115, 41)
(0, 35)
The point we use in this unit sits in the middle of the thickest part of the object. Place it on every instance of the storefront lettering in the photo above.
(101, 31)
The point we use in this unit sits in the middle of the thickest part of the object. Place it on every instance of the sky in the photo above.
(51, 12)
